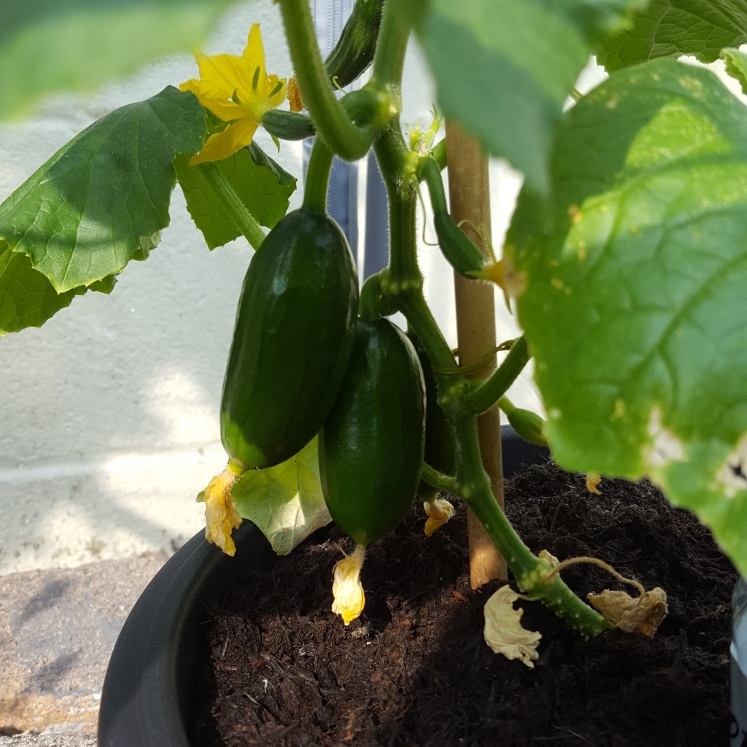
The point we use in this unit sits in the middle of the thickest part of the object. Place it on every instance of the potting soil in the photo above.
(281, 670)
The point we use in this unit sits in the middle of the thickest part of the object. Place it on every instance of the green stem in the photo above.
(243, 219)
(317, 177)
(471, 482)
(438, 479)
(438, 154)
(487, 394)
(473, 485)
(391, 48)
(328, 116)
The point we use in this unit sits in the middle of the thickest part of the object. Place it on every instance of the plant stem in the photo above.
(438, 479)
(471, 482)
(391, 48)
(487, 394)
(239, 213)
(328, 116)
(317, 177)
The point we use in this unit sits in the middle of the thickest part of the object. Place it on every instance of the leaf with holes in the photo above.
(633, 289)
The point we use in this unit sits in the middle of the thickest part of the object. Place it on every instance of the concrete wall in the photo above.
(109, 413)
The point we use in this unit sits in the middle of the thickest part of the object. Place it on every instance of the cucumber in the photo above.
(294, 331)
(355, 48)
(287, 125)
(371, 447)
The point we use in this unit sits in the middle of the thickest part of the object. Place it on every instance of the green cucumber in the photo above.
(287, 125)
(355, 48)
(294, 331)
(371, 447)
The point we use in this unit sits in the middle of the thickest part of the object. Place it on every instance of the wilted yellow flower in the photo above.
(592, 483)
(503, 630)
(221, 516)
(294, 95)
(237, 90)
(439, 511)
(347, 590)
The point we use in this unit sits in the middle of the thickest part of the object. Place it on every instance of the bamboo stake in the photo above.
(469, 194)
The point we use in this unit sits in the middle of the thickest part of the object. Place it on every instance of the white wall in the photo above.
(109, 413)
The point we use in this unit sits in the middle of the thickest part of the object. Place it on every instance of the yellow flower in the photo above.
(221, 516)
(347, 590)
(294, 95)
(237, 90)
(438, 511)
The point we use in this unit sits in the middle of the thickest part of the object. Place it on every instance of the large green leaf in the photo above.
(103, 199)
(670, 28)
(634, 294)
(261, 184)
(285, 502)
(76, 45)
(504, 68)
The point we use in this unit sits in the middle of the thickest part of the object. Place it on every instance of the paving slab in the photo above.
(57, 630)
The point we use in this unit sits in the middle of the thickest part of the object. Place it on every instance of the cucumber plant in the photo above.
(626, 258)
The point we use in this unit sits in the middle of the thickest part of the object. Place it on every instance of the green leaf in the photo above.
(27, 298)
(261, 184)
(76, 45)
(634, 301)
(504, 68)
(670, 28)
(286, 501)
(736, 66)
(103, 199)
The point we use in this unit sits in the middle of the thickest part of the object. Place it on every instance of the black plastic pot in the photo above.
(149, 689)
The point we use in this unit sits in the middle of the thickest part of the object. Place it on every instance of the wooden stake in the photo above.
(469, 195)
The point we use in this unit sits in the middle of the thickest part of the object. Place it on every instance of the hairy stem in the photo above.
(317, 177)
(487, 394)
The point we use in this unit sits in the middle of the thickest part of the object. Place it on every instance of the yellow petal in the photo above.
(277, 98)
(592, 483)
(347, 590)
(503, 630)
(254, 55)
(224, 144)
(439, 511)
(223, 109)
(294, 95)
(223, 74)
(221, 516)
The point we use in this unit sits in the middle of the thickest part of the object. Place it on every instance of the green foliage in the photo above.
(286, 501)
(102, 199)
(634, 289)
(76, 45)
(261, 184)
(670, 28)
(736, 66)
(504, 68)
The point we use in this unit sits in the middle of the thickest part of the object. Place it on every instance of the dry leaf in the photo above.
(503, 631)
(642, 614)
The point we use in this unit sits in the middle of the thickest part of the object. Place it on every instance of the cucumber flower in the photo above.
(347, 590)
(236, 90)
(438, 511)
(221, 516)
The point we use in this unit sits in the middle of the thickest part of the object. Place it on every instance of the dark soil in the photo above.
(414, 671)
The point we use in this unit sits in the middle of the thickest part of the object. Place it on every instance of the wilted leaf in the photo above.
(642, 614)
(285, 502)
(503, 631)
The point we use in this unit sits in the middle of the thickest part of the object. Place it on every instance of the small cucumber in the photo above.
(355, 48)
(294, 331)
(287, 125)
(460, 252)
(371, 447)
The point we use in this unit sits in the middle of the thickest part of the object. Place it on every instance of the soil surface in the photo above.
(414, 670)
